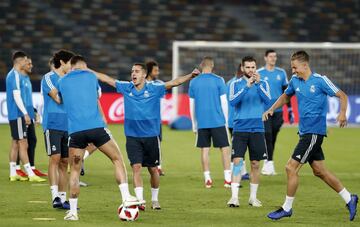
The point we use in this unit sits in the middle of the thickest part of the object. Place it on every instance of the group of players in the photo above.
(73, 123)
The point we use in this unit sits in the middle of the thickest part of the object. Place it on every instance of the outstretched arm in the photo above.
(105, 78)
(180, 80)
(283, 99)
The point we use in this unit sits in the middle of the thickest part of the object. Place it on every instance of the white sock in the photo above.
(288, 203)
(12, 169)
(227, 175)
(253, 190)
(17, 166)
(54, 191)
(124, 190)
(207, 176)
(62, 196)
(73, 205)
(345, 194)
(28, 170)
(154, 194)
(243, 169)
(139, 192)
(235, 190)
(86, 154)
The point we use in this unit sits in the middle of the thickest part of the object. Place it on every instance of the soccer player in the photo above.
(209, 112)
(248, 95)
(79, 92)
(31, 135)
(311, 90)
(142, 124)
(152, 75)
(20, 112)
(55, 128)
(277, 79)
(231, 110)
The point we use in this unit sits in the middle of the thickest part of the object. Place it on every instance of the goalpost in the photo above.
(339, 61)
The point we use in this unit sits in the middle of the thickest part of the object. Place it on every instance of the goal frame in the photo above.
(236, 44)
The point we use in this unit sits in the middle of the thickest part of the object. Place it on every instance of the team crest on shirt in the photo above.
(266, 78)
(53, 148)
(312, 88)
(146, 94)
(278, 77)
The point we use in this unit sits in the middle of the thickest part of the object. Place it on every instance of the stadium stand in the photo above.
(114, 34)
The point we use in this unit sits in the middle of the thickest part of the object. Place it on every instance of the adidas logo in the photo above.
(264, 155)
(298, 156)
(297, 89)
(131, 94)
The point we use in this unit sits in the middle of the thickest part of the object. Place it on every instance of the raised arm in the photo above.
(264, 91)
(182, 79)
(237, 92)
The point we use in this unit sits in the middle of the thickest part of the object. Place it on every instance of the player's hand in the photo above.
(266, 114)
(291, 116)
(195, 72)
(37, 118)
(27, 119)
(256, 76)
(341, 118)
(250, 81)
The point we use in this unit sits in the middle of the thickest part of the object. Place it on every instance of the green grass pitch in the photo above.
(184, 200)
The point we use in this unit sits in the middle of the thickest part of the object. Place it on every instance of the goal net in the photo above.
(339, 61)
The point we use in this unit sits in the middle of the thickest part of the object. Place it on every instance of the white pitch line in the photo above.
(39, 185)
(44, 219)
(36, 201)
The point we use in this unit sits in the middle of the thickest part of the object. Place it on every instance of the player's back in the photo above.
(54, 115)
(79, 92)
(206, 90)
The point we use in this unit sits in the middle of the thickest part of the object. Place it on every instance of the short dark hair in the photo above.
(63, 55)
(149, 66)
(142, 65)
(301, 56)
(248, 59)
(267, 52)
(19, 54)
(77, 58)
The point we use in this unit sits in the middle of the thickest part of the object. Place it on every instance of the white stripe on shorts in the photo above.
(159, 145)
(313, 141)
(20, 128)
(48, 147)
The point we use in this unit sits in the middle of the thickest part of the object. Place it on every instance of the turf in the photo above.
(184, 199)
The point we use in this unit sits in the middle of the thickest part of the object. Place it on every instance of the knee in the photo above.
(76, 160)
(255, 165)
(136, 168)
(63, 163)
(319, 173)
(290, 169)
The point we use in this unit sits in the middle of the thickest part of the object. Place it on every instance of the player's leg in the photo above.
(88, 151)
(63, 176)
(32, 140)
(151, 159)
(220, 137)
(302, 152)
(23, 150)
(160, 170)
(276, 125)
(75, 159)
(319, 170)
(53, 150)
(203, 141)
(239, 146)
(257, 152)
(269, 146)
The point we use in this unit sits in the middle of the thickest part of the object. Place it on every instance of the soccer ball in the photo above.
(130, 213)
